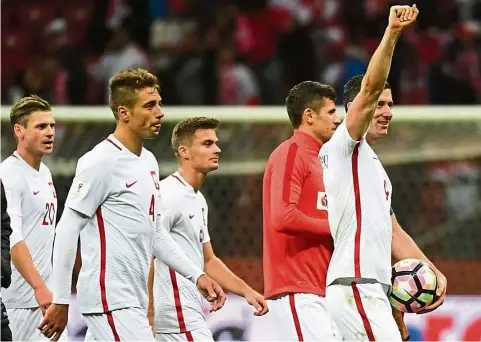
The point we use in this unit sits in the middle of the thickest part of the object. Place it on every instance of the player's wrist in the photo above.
(393, 32)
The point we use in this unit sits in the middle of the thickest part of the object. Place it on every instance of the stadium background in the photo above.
(236, 60)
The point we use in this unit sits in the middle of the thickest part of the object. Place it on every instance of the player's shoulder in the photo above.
(288, 148)
(101, 156)
(11, 171)
(149, 155)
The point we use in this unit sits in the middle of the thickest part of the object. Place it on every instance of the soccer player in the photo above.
(403, 246)
(113, 205)
(179, 313)
(297, 241)
(32, 205)
(359, 195)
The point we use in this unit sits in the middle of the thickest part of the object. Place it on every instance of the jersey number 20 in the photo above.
(49, 217)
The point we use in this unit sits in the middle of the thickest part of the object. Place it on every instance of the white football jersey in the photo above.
(359, 200)
(177, 301)
(118, 190)
(32, 199)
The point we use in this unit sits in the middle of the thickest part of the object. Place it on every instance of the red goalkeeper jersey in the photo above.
(297, 241)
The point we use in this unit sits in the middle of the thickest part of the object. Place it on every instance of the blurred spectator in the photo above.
(281, 42)
(120, 53)
(237, 85)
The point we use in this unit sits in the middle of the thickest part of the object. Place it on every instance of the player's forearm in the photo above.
(150, 288)
(223, 276)
(167, 251)
(64, 253)
(404, 247)
(22, 259)
(362, 109)
(293, 222)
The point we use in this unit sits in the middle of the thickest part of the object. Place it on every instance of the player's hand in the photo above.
(257, 301)
(401, 17)
(54, 321)
(399, 318)
(212, 292)
(440, 292)
(44, 298)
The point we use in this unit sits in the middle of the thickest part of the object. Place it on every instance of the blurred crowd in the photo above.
(244, 52)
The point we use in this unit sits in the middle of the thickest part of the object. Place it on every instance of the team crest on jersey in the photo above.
(321, 200)
(52, 187)
(155, 179)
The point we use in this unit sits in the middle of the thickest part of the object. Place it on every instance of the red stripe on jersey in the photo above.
(286, 186)
(110, 319)
(357, 195)
(110, 141)
(180, 180)
(362, 312)
(297, 324)
(103, 261)
(189, 336)
(178, 304)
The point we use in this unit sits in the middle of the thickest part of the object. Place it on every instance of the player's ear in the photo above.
(18, 130)
(123, 113)
(183, 151)
(308, 115)
(348, 104)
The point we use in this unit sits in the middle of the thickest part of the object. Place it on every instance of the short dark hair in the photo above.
(353, 87)
(126, 84)
(184, 131)
(22, 109)
(307, 94)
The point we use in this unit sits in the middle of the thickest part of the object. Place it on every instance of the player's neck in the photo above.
(371, 139)
(309, 132)
(193, 177)
(130, 140)
(31, 159)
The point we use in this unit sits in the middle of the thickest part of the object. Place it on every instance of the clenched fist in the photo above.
(401, 17)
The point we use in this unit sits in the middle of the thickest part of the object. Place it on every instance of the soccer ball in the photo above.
(413, 285)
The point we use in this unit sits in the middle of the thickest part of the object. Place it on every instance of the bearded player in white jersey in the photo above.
(32, 206)
(113, 206)
(174, 303)
(359, 203)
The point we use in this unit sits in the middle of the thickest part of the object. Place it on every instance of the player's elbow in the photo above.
(284, 219)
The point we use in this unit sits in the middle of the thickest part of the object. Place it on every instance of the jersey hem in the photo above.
(176, 330)
(295, 289)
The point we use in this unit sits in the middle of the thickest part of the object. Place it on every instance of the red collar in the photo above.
(305, 140)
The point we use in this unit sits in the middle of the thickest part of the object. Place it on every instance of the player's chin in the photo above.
(46, 149)
(382, 130)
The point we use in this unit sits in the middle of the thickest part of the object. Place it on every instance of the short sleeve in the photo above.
(206, 222)
(341, 142)
(14, 193)
(166, 216)
(90, 187)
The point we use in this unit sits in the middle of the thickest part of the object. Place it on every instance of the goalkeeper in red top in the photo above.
(297, 240)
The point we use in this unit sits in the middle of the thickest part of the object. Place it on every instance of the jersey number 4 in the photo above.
(152, 207)
(49, 217)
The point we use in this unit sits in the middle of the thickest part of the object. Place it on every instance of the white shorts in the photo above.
(302, 317)
(202, 334)
(129, 324)
(24, 322)
(362, 312)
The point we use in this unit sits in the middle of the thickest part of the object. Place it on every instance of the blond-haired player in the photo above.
(113, 206)
(359, 201)
(174, 301)
(32, 206)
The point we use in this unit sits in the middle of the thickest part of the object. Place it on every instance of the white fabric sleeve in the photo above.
(90, 186)
(16, 225)
(341, 142)
(14, 190)
(64, 253)
(205, 219)
(168, 252)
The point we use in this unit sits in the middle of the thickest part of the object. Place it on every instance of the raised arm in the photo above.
(361, 110)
